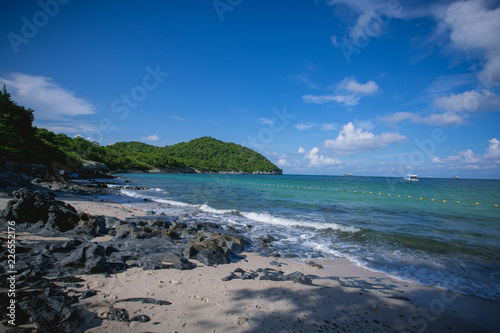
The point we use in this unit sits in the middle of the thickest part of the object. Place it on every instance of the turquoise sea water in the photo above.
(438, 232)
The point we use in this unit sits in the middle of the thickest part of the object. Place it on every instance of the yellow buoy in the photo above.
(432, 199)
(409, 196)
(444, 200)
(421, 198)
(389, 194)
(477, 203)
(458, 201)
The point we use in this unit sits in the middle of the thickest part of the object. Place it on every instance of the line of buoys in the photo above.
(337, 190)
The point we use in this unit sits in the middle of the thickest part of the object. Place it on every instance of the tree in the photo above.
(16, 131)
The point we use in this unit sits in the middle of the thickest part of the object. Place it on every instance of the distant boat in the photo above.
(411, 178)
(348, 175)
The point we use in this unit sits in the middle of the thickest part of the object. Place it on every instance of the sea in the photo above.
(436, 232)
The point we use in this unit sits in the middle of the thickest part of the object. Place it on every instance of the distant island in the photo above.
(21, 142)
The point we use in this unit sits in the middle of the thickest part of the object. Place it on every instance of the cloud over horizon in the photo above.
(152, 138)
(46, 97)
(352, 140)
(317, 160)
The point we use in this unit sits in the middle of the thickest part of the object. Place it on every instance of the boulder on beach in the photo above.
(215, 249)
(29, 207)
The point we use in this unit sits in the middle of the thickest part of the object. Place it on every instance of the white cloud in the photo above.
(46, 97)
(469, 101)
(493, 151)
(282, 162)
(317, 160)
(304, 126)
(470, 26)
(352, 140)
(65, 128)
(265, 121)
(153, 138)
(346, 100)
(435, 119)
(467, 159)
(475, 28)
(350, 84)
(348, 93)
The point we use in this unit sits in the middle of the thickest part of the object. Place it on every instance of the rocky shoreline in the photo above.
(105, 267)
(65, 249)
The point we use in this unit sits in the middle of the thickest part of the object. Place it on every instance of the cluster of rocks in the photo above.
(15, 175)
(268, 274)
(147, 242)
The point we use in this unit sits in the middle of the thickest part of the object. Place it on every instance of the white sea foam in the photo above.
(207, 209)
(173, 202)
(132, 194)
(269, 219)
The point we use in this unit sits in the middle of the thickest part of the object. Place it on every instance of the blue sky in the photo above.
(319, 87)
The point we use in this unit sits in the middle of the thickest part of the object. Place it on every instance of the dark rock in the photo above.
(92, 225)
(241, 274)
(314, 264)
(144, 300)
(141, 318)
(50, 309)
(88, 293)
(33, 206)
(118, 314)
(298, 277)
(141, 231)
(207, 251)
(87, 259)
(272, 275)
(275, 263)
(16, 175)
(230, 277)
(216, 249)
(129, 231)
(267, 241)
(63, 247)
(171, 260)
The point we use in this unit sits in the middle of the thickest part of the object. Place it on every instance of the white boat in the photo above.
(411, 178)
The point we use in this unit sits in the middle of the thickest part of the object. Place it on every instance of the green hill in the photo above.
(204, 154)
(21, 142)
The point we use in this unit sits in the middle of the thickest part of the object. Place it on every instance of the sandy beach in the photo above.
(341, 298)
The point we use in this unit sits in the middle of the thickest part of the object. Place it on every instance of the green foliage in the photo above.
(20, 141)
(209, 154)
(16, 131)
(204, 154)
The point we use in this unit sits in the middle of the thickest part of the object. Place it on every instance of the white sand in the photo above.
(344, 297)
